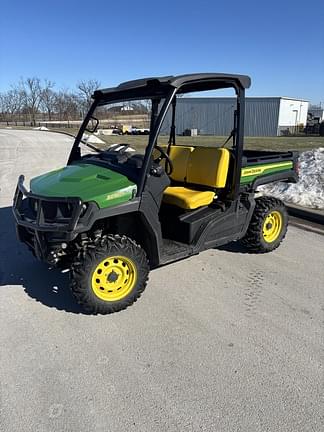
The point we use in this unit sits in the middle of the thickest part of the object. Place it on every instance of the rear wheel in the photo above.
(109, 276)
(268, 225)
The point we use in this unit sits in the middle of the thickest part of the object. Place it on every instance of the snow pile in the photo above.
(309, 191)
(43, 128)
(92, 139)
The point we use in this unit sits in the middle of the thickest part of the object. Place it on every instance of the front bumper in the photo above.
(44, 223)
(42, 216)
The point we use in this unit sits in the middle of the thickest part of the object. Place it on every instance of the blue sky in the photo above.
(280, 44)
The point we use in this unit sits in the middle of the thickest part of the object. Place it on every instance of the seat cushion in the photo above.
(186, 198)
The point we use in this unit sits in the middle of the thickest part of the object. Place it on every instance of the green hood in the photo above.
(86, 181)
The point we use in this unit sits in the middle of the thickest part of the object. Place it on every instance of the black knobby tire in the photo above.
(87, 261)
(254, 239)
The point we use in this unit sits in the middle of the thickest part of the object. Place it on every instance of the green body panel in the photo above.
(250, 173)
(87, 182)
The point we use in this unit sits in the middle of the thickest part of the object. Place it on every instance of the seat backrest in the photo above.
(208, 166)
(179, 156)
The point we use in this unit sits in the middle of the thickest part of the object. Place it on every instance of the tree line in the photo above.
(33, 99)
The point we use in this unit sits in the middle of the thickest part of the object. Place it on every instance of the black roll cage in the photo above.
(167, 88)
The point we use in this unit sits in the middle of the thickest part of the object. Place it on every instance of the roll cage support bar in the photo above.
(157, 119)
(75, 153)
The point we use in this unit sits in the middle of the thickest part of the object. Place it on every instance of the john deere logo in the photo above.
(115, 195)
(264, 168)
(129, 191)
(252, 171)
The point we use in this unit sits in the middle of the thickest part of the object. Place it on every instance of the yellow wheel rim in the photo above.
(114, 278)
(272, 226)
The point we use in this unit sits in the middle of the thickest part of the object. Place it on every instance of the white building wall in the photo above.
(292, 112)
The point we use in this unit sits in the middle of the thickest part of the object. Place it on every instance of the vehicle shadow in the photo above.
(235, 247)
(18, 267)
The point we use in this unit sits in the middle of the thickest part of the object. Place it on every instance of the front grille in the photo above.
(52, 211)
(45, 213)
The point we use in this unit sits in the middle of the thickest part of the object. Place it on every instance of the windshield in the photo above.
(200, 121)
(126, 122)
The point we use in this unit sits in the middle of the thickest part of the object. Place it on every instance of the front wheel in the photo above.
(268, 225)
(109, 276)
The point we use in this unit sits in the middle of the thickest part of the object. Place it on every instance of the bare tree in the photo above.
(48, 97)
(86, 89)
(32, 91)
(3, 107)
(67, 105)
(11, 103)
(32, 98)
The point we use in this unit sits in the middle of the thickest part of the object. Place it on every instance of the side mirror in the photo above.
(92, 125)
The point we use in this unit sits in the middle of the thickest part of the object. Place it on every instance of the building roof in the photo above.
(294, 99)
(258, 98)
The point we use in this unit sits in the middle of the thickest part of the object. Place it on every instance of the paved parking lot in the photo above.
(223, 341)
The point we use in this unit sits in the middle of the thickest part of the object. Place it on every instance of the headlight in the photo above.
(84, 209)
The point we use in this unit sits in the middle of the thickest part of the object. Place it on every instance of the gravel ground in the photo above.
(223, 341)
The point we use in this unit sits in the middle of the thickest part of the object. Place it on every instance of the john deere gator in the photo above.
(112, 214)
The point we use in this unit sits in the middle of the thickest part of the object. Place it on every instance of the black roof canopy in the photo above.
(159, 86)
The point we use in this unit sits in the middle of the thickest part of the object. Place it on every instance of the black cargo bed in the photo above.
(255, 157)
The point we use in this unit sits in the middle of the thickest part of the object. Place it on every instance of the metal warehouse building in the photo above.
(264, 116)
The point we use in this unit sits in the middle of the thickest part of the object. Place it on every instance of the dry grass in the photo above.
(257, 143)
(139, 142)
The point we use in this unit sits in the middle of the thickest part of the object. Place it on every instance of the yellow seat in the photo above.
(202, 166)
(179, 156)
(186, 198)
(208, 166)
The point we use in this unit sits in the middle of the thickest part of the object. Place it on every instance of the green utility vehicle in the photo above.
(113, 214)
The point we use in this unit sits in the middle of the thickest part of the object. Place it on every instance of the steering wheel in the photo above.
(168, 161)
